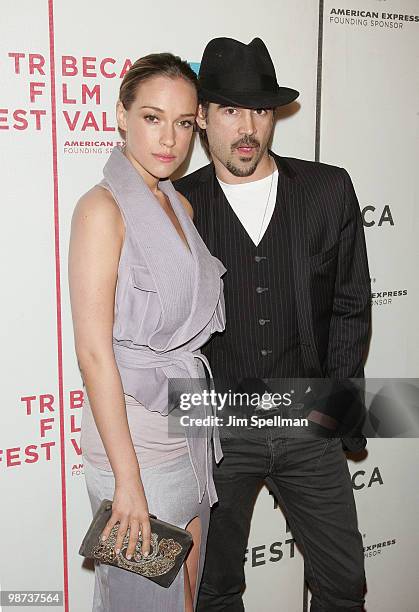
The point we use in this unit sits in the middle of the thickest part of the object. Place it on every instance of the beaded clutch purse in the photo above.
(169, 547)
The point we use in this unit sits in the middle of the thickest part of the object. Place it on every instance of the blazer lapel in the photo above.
(295, 201)
(213, 198)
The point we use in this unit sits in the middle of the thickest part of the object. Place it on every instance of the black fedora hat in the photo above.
(241, 75)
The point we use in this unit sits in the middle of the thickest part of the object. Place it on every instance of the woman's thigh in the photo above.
(172, 495)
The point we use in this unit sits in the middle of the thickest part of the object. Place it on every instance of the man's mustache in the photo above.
(246, 141)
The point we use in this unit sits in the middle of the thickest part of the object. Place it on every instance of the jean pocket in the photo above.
(329, 445)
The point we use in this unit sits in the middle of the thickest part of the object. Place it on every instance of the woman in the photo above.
(146, 294)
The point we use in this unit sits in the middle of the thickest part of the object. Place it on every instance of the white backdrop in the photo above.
(61, 65)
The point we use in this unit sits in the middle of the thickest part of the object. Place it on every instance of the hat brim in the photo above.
(247, 99)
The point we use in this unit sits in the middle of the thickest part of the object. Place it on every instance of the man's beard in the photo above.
(247, 141)
(242, 171)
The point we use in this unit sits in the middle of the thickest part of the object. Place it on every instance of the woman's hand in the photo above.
(130, 508)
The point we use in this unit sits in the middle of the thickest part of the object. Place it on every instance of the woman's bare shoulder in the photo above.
(98, 206)
(96, 201)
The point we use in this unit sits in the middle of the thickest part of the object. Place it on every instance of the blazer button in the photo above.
(263, 321)
(261, 289)
(258, 258)
(265, 352)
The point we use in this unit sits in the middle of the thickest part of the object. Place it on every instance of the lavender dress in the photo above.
(168, 302)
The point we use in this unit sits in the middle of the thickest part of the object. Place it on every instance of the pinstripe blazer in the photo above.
(332, 281)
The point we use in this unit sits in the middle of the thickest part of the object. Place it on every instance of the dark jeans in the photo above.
(311, 480)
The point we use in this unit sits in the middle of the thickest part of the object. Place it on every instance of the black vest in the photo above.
(261, 337)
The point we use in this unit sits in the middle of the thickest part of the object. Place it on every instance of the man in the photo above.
(297, 293)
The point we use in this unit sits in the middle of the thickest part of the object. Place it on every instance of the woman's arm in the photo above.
(97, 234)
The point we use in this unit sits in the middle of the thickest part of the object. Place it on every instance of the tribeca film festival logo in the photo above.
(79, 99)
(43, 411)
(386, 297)
(385, 20)
(80, 102)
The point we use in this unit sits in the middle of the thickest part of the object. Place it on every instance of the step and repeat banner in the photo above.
(355, 64)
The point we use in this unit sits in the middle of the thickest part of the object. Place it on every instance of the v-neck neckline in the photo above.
(276, 211)
(186, 244)
(161, 185)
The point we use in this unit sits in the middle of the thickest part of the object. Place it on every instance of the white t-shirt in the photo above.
(249, 202)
